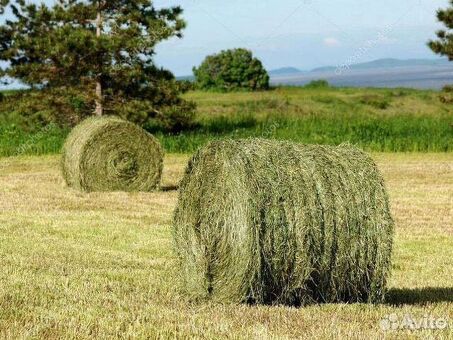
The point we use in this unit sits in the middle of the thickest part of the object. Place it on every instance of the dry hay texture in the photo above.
(272, 222)
(110, 154)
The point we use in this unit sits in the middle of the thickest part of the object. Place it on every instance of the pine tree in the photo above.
(102, 48)
(444, 44)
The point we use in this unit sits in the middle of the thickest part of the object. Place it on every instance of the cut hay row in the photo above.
(110, 154)
(274, 222)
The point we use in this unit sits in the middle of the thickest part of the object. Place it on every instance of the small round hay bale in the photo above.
(110, 154)
(273, 222)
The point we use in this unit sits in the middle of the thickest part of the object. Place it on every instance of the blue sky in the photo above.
(301, 33)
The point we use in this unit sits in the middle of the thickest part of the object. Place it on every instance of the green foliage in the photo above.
(232, 70)
(376, 101)
(446, 96)
(57, 50)
(185, 85)
(444, 44)
(32, 110)
(317, 84)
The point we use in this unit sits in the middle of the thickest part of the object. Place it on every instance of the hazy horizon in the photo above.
(304, 34)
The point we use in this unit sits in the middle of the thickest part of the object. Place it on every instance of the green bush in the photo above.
(185, 85)
(66, 107)
(317, 84)
(446, 96)
(376, 101)
(31, 110)
(231, 70)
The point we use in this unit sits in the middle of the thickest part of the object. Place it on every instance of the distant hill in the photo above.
(390, 73)
(189, 78)
(411, 73)
(388, 63)
(285, 71)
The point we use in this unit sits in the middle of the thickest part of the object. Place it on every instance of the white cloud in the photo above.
(331, 42)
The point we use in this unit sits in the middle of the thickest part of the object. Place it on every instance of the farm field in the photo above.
(101, 265)
(197, 170)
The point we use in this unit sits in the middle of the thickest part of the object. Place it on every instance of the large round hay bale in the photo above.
(111, 154)
(274, 222)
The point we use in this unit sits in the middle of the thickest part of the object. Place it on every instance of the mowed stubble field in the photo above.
(101, 265)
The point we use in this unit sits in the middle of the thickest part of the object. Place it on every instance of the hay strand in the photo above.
(110, 154)
(274, 222)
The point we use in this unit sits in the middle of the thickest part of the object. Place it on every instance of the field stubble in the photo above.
(101, 264)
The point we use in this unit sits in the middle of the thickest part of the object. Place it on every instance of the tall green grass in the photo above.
(389, 133)
(16, 142)
(374, 119)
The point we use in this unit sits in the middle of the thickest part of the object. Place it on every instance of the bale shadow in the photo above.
(419, 296)
(167, 188)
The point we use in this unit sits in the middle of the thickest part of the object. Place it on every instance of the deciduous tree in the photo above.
(231, 70)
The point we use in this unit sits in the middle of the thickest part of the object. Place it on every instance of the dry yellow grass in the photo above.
(101, 265)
